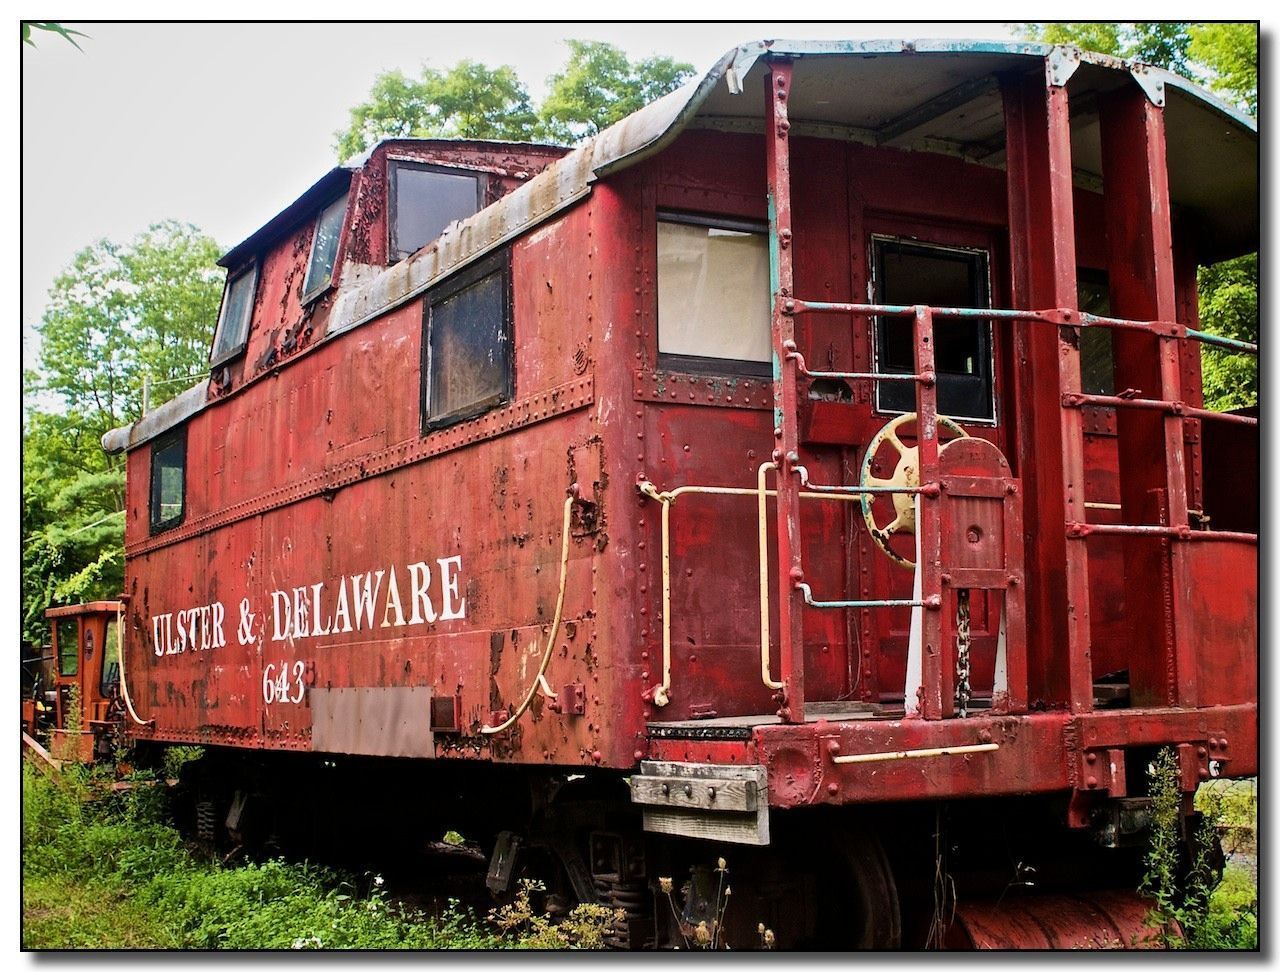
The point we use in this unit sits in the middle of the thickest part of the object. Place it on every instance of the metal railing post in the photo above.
(937, 670)
(786, 450)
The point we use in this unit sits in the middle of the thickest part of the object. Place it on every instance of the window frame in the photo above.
(308, 295)
(215, 360)
(105, 686)
(158, 445)
(877, 240)
(60, 651)
(497, 263)
(394, 163)
(698, 363)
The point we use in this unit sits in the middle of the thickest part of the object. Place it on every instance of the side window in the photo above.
(713, 295)
(1097, 365)
(467, 344)
(940, 276)
(110, 659)
(425, 199)
(324, 249)
(68, 648)
(168, 480)
(233, 320)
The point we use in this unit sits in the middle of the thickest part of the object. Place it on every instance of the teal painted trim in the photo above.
(1224, 342)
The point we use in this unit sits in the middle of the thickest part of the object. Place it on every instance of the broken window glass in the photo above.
(233, 322)
(1097, 362)
(917, 273)
(468, 344)
(324, 249)
(68, 647)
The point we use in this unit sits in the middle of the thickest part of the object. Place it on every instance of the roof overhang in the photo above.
(937, 96)
(943, 96)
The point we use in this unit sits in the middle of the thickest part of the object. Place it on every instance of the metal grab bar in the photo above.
(1079, 399)
(1081, 530)
(913, 753)
(661, 693)
(928, 602)
(1059, 316)
(124, 682)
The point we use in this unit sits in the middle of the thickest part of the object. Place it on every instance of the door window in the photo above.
(939, 276)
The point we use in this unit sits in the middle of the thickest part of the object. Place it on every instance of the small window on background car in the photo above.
(324, 249)
(68, 646)
(168, 475)
(233, 320)
(713, 294)
(467, 344)
(110, 659)
(425, 199)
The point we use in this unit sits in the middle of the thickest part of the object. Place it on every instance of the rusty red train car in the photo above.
(807, 471)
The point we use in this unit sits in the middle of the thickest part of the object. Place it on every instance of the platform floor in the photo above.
(813, 712)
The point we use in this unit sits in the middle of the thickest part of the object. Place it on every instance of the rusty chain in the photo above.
(964, 691)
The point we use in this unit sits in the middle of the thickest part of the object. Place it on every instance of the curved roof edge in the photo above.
(649, 130)
(176, 410)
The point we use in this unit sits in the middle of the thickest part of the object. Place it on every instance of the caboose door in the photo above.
(940, 266)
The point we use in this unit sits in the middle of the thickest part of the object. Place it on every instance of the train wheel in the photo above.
(858, 898)
(802, 892)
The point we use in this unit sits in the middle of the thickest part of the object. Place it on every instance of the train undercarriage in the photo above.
(1002, 872)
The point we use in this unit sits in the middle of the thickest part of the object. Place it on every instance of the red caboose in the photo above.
(811, 464)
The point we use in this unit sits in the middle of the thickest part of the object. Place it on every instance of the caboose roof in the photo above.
(936, 96)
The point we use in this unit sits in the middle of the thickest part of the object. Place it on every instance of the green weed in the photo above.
(1212, 914)
(585, 927)
(107, 870)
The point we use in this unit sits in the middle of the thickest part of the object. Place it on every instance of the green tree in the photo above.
(1230, 52)
(1223, 56)
(469, 100)
(119, 312)
(1229, 307)
(599, 86)
(1164, 43)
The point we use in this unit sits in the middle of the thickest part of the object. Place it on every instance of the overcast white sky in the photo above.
(222, 125)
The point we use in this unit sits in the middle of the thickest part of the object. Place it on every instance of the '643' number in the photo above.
(278, 686)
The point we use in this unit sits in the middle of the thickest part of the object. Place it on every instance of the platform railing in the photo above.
(928, 522)
(789, 367)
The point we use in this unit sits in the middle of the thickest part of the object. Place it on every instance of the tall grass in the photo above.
(1212, 913)
(107, 870)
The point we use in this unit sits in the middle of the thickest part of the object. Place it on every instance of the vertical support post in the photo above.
(1049, 438)
(1188, 313)
(938, 667)
(1153, 473)
(787, 441)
